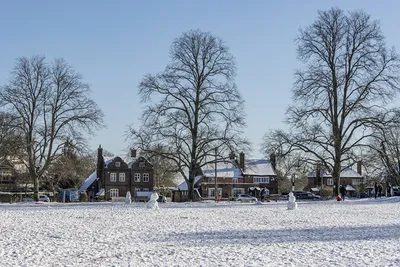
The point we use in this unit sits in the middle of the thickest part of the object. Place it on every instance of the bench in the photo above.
(141, 198)
(118, 199)
(272, 197)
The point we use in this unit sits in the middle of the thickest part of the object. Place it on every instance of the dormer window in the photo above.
(117, 164)
(141, 164)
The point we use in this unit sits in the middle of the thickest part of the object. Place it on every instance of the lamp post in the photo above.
(293, 177)
(216, 186)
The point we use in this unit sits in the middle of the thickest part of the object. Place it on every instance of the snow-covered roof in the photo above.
(88, 182)
(184, 186)
(350, 188)
(224, 169)
(258, 167)
(346, 173)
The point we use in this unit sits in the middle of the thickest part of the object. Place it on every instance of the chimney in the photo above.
(359, 164)
(272, 158)
(241, 160)
(99, 157)
(100, 167)
(133, 153)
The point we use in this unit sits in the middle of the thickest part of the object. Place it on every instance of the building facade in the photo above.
(231, 178)
(115, 177)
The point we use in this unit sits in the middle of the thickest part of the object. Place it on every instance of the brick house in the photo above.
(353, 180)
(233, 178)
(115, 177)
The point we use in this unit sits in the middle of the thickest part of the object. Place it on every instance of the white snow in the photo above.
(362, 232)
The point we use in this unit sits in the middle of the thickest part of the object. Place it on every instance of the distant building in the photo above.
(353, 181)
(251, 176)
(114, 177)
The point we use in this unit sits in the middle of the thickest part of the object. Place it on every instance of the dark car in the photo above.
(161, 199)
(307, 195)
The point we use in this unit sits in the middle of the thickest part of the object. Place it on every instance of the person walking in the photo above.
(380, 187)
(376, 189)
(342, 190)
(389, 190)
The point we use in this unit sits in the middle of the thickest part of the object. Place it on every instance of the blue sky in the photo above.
(115, 43)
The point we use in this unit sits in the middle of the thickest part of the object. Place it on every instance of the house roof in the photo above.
(184, 186)
(259, 167)
(88, 182)
(224, 169)
(346, 173)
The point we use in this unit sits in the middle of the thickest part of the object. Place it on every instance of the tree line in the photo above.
(342, 110)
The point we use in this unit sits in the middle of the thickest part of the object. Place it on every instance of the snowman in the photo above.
(153, 204)
(292, 205)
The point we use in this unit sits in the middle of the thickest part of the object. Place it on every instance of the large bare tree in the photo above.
(51, 104)
(349, 79)
(193, 106)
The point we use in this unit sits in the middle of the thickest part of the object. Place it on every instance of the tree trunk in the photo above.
(36, 188)
(190, 184)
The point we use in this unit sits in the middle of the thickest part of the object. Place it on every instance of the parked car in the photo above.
(27, 199)
(162, 199)
(44, 198)
(307, 195)
(396, 191)
(245, 198)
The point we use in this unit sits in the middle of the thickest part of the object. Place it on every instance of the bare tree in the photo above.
(52, 106)
(10, 137)
(193, 106)
(164, 170)
(384, 154)
(69, 171)
(349, 78)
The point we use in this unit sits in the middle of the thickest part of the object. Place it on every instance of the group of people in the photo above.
(379, 188)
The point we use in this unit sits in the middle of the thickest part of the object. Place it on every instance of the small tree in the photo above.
(51, 105)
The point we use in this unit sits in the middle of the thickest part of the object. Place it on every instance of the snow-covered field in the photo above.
(363, 232)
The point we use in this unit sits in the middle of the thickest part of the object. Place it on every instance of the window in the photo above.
(114, 193)
(122, 177)
(113, 177)
(237, 191)
(234, 180)
(261, 179)
(142, 164)
(329, 181)
(145, 190)
(137, 189)
(211, 192)
(145, 177)
(117, 164)
(137, 177)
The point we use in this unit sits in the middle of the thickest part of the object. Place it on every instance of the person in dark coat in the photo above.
(380, 187)
(376, 189)
(342, 190)
(389, 190)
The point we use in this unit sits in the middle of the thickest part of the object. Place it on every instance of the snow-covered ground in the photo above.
(364, 232)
